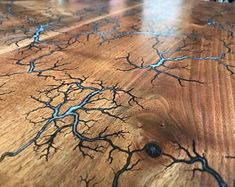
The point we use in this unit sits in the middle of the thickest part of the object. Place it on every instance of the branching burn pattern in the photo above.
(89, 182)
(93, 98)
(227, 27)
(72, 98)
(193, 159)
(163, 65)
(106, 30)
(3, 93)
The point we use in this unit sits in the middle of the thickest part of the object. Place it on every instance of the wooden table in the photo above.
(117, 93)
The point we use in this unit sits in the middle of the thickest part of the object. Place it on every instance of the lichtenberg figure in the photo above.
(4, 93)
(227, 27)
(164, 65)
(89, 182)
(31, 61)
(76, 99)
(28, 55)
(106, 30)
(193, 159)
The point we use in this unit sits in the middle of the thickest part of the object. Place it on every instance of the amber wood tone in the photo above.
(163, 71)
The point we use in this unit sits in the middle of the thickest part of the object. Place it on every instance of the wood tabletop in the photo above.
(130, 93)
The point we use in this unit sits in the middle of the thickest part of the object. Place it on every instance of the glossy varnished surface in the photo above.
(117, 93)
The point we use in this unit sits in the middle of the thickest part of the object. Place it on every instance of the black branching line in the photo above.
(115, 32)
(196, 158)
(153, 151)
(32, 32)
(128, 166)
(42, 27)
(34, 61)
(230, 157)
(52, 24)
(149, 32)
(4, 93)
(162, 64)
(98, 29)
(34, 55)
(105, 35)
(56, 67)
(91, 12)
(95, 97)
(2, 18)
(89, 182)
(17, 37)
(227, 27)
(227, 45)
(30, 51)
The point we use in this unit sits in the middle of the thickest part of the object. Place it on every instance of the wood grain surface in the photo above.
(132, 93)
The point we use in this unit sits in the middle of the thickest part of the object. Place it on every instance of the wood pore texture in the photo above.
(172, 65)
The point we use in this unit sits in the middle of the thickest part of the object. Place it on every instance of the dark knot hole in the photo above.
(153, 150)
